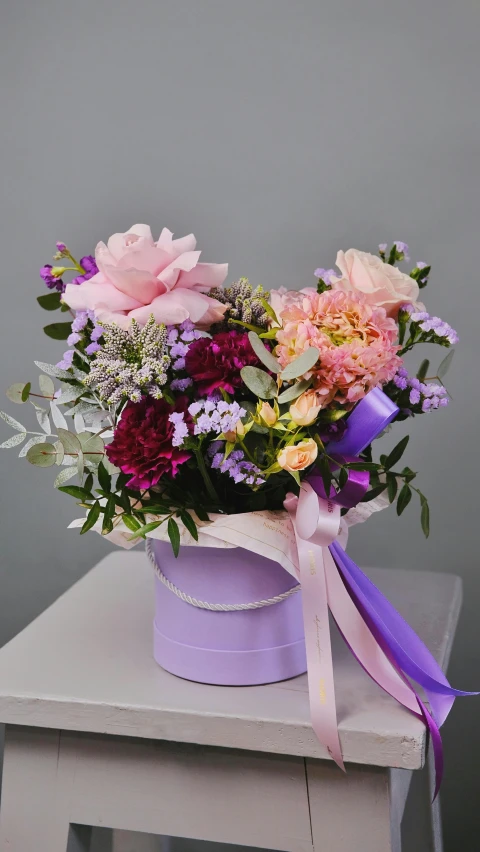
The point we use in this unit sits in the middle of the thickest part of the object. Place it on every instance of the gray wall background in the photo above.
(279, 132)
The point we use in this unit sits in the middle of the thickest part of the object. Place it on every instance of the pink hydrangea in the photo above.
(357, 343)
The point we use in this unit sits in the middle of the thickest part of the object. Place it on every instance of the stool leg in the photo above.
(80, 838)
(353, 811)
(32, 818)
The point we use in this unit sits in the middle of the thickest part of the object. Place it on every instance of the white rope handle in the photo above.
(214, 607)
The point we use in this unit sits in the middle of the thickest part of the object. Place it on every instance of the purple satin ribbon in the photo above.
(405, 650)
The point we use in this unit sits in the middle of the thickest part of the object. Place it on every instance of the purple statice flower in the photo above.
(67, 359)
(92, 348)
(96, 334)
(74, 338)
(436, 325)
(428, 396)
(180, 431)
(327, 275)
(88, 264)
(53, 282)
(402, 248)
(178, 350)
(80, 321)
(382, 247)
(420, 264)
(181, 384)
(215, 416)
(238, 468)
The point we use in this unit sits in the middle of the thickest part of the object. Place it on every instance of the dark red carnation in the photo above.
(142, 444)
(216, 362)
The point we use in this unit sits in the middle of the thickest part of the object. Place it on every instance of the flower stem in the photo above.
(206, 476)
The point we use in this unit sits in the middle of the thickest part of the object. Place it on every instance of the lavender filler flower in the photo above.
(131, 362)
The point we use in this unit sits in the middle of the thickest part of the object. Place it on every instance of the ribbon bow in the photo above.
(382, 642)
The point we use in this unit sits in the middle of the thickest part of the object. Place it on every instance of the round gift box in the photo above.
(234, 648)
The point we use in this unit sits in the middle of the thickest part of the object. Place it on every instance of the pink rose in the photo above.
(138, 277)
(382, 285)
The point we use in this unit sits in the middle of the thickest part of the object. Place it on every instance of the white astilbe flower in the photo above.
(132, 362)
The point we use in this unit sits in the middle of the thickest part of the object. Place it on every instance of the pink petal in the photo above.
(183, 244)
(93, 293)
(118, 243)
(186, 262)
(141, 286)
(165, 240)
(146, 257)
(175, 307)
(204, 276)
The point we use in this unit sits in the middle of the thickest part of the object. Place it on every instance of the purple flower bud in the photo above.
(73, 338)
(402, 248)
(382, 247)
(92, 348)
(420, 264)
(61, 247)
(96, 333)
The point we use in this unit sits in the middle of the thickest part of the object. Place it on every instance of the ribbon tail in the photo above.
(321, 685)
(406, 648)
(375, 661)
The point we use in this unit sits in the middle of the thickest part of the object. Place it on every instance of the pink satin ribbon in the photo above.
(316, 522)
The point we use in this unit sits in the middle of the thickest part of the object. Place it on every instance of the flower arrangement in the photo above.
(182, 404)
(179, 398)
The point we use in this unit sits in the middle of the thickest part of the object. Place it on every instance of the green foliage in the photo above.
(264, 355)
(189, 524)
(404, 498)
(42, 455)
(50, 301)
(294, 391)
(58, 330)
(396, 453)
(92, 518)
(301, 365)
(174, 535)
(104, 477)
(259, 382)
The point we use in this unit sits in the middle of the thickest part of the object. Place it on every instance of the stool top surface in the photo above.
(86, 664)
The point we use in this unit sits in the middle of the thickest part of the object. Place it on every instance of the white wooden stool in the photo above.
(98, 735)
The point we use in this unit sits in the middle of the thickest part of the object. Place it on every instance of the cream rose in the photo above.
(298, 456)
(305, 409)
(382, 285)
(267, 414)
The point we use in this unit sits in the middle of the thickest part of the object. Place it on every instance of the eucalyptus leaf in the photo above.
(92, 446)
(14, 440)
(15, 393)
(109, 466)
(423, 369)
(69, 395)
(65, 474)
(37, 439)
(52, 370)
(70, 442)
(26, 392)
(12, 422)
(79, 423)
(259, 382)
(42, 455)
(294, 391)
(263, 353)
(57, 417)
(60, 451)
(445, 364)
(301, 365)
(81, 407)
(46, 386)
(43, 419)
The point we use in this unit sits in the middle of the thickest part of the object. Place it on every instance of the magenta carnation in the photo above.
(216, 362)
(142, 444)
